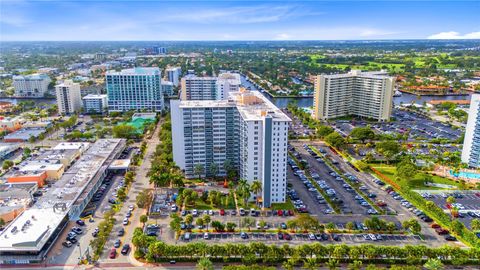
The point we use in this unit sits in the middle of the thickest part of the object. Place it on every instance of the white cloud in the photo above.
(282, 36)
(455, 35)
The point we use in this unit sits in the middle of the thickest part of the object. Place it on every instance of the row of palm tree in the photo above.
(160, 251)
(245, 189)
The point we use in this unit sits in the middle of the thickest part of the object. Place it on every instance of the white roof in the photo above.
(72, 145)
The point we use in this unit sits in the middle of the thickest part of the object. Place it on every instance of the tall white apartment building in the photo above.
(471, 142)
(198, 88)
(246, 129)
(364, 94)
(226, 83)
(33, 86)
(69, 99)
(173, 75)
(135, 89)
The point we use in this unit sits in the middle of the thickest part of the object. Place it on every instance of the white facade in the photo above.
(226, 83)
(471, 143)
(198, 88)
(69, 99)
(247, 130)
(34, 86)
(167, 88)
(173, 75)
(364, 94)
(95, 103)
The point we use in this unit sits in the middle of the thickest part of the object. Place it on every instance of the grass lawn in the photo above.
(419, 179)
(283, 206)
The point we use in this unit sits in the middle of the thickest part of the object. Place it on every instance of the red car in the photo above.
(113, 253)
(290, 212)
(287, 236)
(280, 213)
(441, 231)
(222, 212)
(435, 226)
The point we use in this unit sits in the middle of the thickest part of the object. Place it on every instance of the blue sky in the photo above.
(237, 20)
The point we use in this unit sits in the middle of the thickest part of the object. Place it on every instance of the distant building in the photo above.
(198, 88)
(167, 88)
(363, 94)
(173, 75)
(10, 124)
(99, 57)
(246, 130)
(69, 99)
(32, 86)
(95, 104)
(471, 143)
(135, 89)
(226, 83)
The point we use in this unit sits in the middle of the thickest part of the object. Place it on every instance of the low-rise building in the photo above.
(5, 106)
(7, 149)
(11, 124)
(14, 199)
(23, 134)
(95, 104)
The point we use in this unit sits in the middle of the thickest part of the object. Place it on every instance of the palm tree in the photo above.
(204, 264)
(288, 264)
(332, 264)
(451, 200)
(310, 263)
(257, 189)
(243, 190)
(433, 264)
(198, 170)
(206, 220)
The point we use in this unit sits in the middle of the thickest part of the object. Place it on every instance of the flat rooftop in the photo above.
(43, 218)
(24, 134)
(136, 71)
(357, 73)
(252, 105)
(82, 146)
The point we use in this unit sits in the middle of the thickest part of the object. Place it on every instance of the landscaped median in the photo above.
(150, 249)
(436, 213)
(359, 192)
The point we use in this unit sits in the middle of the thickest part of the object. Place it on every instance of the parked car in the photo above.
(67, 244)
(80, 222)
(113, 253)
(125, 249)
(117, 243)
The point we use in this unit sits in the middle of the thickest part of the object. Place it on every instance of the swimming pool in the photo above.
(469, 175)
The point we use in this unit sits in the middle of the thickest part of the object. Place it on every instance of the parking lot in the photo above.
(301, 238)
(467, 203)
(417, 125)
(341, 192)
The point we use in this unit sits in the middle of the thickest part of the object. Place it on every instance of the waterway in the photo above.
(282, 102)
(36, 100)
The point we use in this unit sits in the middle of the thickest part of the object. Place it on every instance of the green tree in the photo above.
(204, 264)
(362, 133)
(198, 169)
(124, 131)
(324, 131)
(406, 169)
(2, 222)
(143, 219)
(214, 169)
(143, 198)
(433, 264)
(388, 148)
(257, 189)
(7, 164)
(475, 224)
(206, 220)
(336, 140)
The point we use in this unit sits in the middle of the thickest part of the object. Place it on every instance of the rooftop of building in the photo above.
(195, 77)
(94, 96)
(231, 77)
(15, 196)
(31, 230)
(82, 146)
(7, 147)
(252, 105)
(167, 83)
(173, 68)
(36, 76)
(358, 73)
(57, 154)
(67, 83)
(24, 134)
(136, 71)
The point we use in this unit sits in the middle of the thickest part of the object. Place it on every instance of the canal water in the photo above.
(282, 102)
(36, 100)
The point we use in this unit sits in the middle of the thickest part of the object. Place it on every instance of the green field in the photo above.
(419, 179)
(283, 206)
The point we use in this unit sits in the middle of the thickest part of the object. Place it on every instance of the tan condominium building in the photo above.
(363, 94)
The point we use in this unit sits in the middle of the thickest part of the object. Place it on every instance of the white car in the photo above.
(311, 236)
(194, 212)
(131, 207)
(210, 212)
(125, 221)
(206, 236)
(174, 208)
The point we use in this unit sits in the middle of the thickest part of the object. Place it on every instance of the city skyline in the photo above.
(236, 20)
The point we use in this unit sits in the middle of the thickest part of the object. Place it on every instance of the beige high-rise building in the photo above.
(69, 99)
(363, 94)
